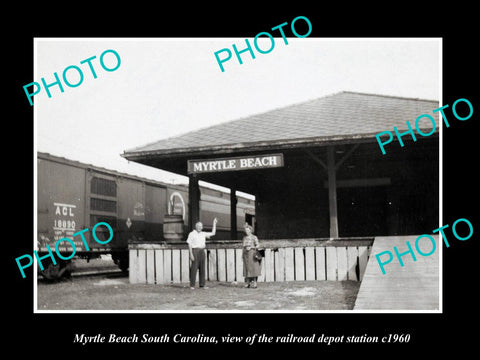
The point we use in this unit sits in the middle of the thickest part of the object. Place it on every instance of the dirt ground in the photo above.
(114, 292)
(104, 263)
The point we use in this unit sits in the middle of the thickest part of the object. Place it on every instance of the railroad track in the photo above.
(84, 273)
(101, 272)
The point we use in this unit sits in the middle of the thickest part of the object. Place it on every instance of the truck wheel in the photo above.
(123, 264)
(55, 272)
(51, 272)
(121, 260)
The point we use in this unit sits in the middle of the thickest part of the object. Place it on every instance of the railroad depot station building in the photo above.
(315, 168)
(326, 197)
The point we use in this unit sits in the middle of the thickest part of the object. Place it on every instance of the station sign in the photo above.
(235, 163)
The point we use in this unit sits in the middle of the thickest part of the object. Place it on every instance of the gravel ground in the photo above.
(116, 293)
(105, 262)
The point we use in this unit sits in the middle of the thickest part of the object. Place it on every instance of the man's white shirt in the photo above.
(197, 239)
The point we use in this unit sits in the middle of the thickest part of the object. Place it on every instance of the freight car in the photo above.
(72, 196)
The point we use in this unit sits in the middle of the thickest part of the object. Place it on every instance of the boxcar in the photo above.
(73, 196)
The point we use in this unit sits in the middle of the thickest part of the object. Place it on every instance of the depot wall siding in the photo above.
(156, 265)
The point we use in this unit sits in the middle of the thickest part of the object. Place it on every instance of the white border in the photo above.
(440, 178)
(440, 310)
(35, 187)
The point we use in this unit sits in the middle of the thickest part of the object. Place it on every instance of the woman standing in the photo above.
(251, 266)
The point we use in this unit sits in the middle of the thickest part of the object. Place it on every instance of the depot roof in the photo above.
(342, 116)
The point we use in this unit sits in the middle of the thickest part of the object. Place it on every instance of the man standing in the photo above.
(196, 248)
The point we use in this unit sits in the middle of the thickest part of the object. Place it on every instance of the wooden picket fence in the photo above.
(156, 264)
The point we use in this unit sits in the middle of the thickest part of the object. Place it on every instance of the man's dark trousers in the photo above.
(198, 264)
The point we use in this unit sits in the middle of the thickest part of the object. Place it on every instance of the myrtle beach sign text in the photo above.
(235, 163)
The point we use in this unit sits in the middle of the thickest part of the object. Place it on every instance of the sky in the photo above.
(169, 86)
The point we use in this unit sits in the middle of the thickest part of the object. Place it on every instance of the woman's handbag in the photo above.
(259, 254)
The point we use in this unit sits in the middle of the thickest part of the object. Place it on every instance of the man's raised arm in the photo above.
(214, 229)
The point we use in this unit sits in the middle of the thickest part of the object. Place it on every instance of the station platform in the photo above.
(415, 286)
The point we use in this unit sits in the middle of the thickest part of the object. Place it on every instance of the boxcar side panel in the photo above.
(215, 203)
(155, 210)
(130, 212)
(60, 205)
(102, 204)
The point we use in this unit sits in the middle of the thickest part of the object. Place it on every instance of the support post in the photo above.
(233, 214)
(332, 192)
(193, 201)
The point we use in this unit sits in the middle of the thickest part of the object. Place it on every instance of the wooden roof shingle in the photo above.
(338, 116)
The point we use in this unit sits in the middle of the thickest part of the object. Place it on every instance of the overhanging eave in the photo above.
(135, 155)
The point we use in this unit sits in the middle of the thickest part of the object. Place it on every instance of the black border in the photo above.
(429, 332)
